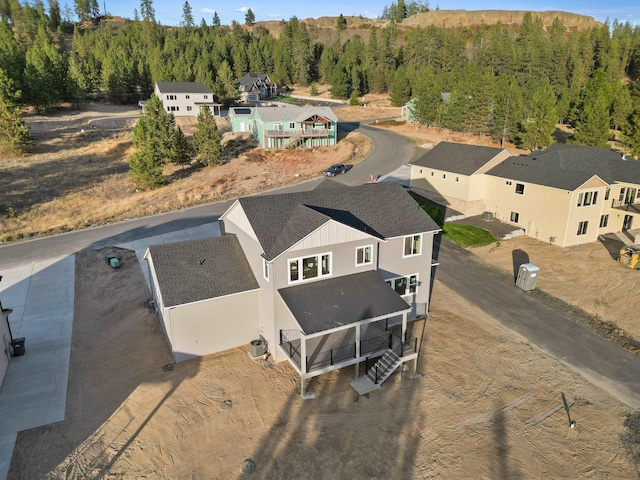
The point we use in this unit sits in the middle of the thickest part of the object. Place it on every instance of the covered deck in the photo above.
(344, 321)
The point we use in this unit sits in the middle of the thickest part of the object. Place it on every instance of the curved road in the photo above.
(389, 152)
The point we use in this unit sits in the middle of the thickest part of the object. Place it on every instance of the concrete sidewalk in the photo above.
(41, 294)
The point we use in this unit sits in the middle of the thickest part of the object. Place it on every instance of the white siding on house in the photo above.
(331, 233)
(237, 216)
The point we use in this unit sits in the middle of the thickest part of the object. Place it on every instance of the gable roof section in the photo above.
(457, 157)
(249, 79)
(383, 210)
(197, 270)
(293, 113)
(183, 87)
(335, 302)
(567, 167)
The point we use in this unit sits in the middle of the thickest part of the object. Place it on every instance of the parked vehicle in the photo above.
(333, 170)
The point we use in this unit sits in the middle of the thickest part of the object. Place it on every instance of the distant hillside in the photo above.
(325, 30)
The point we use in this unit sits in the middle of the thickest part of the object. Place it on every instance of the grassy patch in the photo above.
(389, 123)
(467, 235)
(435, 212)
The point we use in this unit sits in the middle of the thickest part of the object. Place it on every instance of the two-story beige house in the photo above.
(327, 278)
(566, 195)
(186, 99)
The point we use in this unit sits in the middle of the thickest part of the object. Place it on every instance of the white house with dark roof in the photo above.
(186, 99)
(566, 195)
(254, 87)
(327, 278)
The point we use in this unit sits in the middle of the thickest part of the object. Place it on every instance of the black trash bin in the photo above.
(18, 346)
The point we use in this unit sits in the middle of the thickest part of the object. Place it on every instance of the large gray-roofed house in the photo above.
(341, 272)
(568, 166)
(381, 210)
(256, 86)
(457, 157)
(565, 195)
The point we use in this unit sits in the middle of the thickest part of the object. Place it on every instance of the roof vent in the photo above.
(624, 157)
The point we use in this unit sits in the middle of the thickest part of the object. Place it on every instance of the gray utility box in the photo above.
(527, 276)
(257, 347)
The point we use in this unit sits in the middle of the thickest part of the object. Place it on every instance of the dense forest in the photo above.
(511, 82)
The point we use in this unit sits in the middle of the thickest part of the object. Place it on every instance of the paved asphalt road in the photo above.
(389, 152)
(600, 361)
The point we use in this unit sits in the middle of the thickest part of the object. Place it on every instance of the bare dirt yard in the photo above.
(587, 276)
(78, 175)
(485, 404)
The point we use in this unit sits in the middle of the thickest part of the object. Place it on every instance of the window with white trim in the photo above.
(587, 198)
(582, 227)
(292, 125)
(404, 285)
(604, 220)
(188, 108)
(608, 191)
(412, 245)
(364, 255)
(187, 97)
(265, 269)
(206, 97)
(457, 179)
(520, 188)
(306, 268)
(171, 97)
(514, 217)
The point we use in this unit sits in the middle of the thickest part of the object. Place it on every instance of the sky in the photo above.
(169, 12)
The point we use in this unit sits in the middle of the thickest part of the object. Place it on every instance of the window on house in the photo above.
(432, 174)
(404, 285)
(206, 97)
(171, 97)
(444, 175)
(187, 97)
(188, 108)
(514, 217)
(292, 125)
(520, 188)
(309, 267)
(508, 182)
(457, 179)
(622, 192)
(265, 269)
(604, 220)
(587, 198)
(421, 172)
(582, 227)
(364, 255)
(608, 191)
(412, 245)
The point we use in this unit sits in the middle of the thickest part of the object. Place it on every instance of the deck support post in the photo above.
(302, 387)
(404, 327)
(357, 349)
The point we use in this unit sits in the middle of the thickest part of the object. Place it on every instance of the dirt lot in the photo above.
(83, 180)
(485, 405)
(586, 276)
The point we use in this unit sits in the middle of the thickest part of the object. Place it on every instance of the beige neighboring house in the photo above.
(452, 174)
(565, 195)
(186, 99)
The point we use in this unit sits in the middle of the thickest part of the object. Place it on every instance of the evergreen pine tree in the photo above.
(187, 15)
(216, 19)
(507, 112)
(15, 137)
(249, 17)
(542, 119)
(592, 127)
(180, 149)
(207, 138)
(146, 11)
(226, 87)
(400, 90)
(341, 22)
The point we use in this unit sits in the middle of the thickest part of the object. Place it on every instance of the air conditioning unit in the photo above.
(257, 347)
(487, 216)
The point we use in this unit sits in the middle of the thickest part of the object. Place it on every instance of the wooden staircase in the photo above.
(293, 141)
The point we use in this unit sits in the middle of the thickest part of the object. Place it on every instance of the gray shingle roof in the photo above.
(249, 79)
(293, 113)
(568, 166)
(457, 157)
(201, 269)
(383, 210)
(331, 303)
(183, 87)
